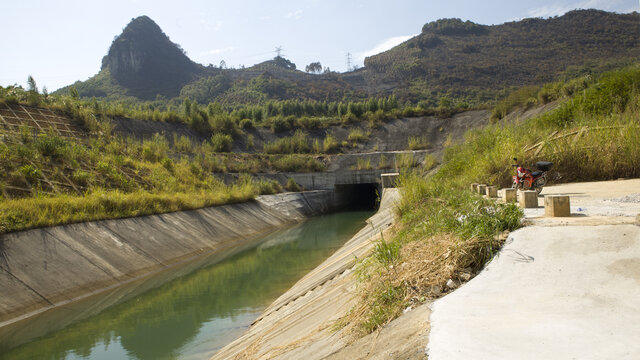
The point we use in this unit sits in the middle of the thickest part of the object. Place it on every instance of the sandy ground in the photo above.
(554, 292)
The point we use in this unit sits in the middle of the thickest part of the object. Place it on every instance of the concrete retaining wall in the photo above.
(41, 269)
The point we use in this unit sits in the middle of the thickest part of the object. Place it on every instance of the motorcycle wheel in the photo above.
(539, 184)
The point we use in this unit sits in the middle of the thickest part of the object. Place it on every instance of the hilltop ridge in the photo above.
(144, 60)
(461, 60)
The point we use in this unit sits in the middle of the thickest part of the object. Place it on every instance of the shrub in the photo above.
(182, 143)
(308, 123)
(155, 148)
(357, 135)
(297, 163)
(268, 187)
(31, 173)
(279, 124)
(349, 118)
(51, 146)
(330, 144)
(221, 142)
(296, 144)
(167, 163)
(292, 185)
(246, 124)
(81, 178)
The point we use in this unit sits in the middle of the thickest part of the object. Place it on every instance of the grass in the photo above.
(418, 143)
(363, 164)
(26, 213)
(447, 233)
(357, 135)
(444, 233)
(49, 180)
(330, 144)
(296, 144)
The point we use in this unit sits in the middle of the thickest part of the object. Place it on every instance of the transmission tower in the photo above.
(278, 51)
(348, 61)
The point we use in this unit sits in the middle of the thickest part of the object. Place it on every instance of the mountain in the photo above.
(450, 57)
(468, 59)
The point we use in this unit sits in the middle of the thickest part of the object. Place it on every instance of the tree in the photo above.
(73, 92)
(314, 67)
(31, 82)
(223, 64)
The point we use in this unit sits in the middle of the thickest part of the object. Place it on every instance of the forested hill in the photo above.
(460, 60)
(450, 55)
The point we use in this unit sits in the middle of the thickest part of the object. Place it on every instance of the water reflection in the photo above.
(196, 314)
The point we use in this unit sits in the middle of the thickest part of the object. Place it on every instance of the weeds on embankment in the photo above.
(592, 135)
(50, 180)
(444, 233)
(447, 233)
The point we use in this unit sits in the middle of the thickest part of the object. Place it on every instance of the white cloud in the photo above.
(561, 8)
(264, 18)
(297, 14)
(219, 51)
(383, 46)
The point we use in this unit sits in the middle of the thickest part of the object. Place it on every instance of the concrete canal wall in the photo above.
(42, 269)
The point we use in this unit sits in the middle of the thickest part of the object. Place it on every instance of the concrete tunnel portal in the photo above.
(359, 197)
(352, 189)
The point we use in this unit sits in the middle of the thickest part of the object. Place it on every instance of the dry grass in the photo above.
(420, 273)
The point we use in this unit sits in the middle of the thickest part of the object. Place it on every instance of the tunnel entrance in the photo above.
(358, 196)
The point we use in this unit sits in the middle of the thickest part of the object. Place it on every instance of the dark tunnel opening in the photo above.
(358, 197)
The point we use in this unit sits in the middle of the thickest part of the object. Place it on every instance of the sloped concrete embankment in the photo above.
(49, 268)
(298, 324)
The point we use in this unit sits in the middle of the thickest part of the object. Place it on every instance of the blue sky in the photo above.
(59, 42)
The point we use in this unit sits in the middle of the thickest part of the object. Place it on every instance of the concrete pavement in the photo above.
(554, 292)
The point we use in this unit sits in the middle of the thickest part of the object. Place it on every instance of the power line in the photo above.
(348, 61)
(278, 51)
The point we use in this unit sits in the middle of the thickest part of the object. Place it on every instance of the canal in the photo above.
(194, 315)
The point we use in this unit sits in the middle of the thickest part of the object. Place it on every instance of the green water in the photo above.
(194, 315)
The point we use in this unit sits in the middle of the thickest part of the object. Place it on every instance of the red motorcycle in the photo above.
(526, 179)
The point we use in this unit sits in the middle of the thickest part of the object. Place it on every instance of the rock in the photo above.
(435, 290)
(464, 276)
(451, 284)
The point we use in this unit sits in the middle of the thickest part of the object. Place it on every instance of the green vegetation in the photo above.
(474, 64)
(418, 143)
(449, 233)
(592, 135)
(357, 135)
(292, 185)
(296, 144)
(363, 164)
(49, 180)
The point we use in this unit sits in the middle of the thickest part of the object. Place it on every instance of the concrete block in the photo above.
(491, 192)
(528, 199)
(509, 195)
(557, 206)
(474, 187)
(389, 180)
(482, 189)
